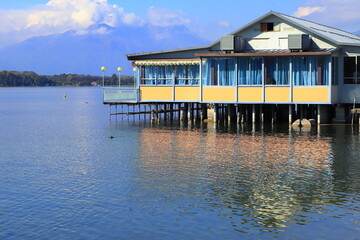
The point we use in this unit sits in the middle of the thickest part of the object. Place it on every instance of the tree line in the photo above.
(27, 78)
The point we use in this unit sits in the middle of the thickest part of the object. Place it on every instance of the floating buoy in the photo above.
(64, 96)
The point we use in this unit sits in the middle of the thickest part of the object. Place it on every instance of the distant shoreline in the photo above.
(31, 79)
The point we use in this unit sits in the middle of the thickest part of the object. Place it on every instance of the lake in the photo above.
(62, 177)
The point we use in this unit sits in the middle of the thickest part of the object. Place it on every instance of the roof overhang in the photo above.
(159, 53)
(269, 53)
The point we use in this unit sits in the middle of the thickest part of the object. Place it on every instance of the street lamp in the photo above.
(103, 69)
(119, 70)
(134, 70)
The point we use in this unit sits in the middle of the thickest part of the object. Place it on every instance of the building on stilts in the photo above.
(277, 68)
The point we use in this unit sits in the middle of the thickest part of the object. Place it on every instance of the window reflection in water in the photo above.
(267, 181)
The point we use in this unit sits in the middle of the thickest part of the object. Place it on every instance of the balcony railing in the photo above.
(120, 94)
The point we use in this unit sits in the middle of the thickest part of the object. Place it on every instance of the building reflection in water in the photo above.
(267, 181)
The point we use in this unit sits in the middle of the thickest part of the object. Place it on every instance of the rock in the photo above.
(303, 123)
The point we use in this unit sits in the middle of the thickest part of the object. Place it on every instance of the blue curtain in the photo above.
(193, 74)
(325, 71)
(312, 79)
(256, 71)
(205, 71)
(160, 75)
(271, 73)
(300, 70)
(243, 71)
(150, 75)
(181, 74)
(169, 70)
(222, 76)
(306, 71)
(283, 70)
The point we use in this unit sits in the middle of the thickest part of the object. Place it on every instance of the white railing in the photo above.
(120, 94)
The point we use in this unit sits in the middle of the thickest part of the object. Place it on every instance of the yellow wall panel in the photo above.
(156, 93)
(219, 94)
(277, 94)
(187, 93)
(311, 94)
(250, 94)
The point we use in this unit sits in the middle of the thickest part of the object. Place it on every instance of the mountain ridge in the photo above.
(99, 45)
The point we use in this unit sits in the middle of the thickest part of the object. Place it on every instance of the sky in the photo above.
(210, 19)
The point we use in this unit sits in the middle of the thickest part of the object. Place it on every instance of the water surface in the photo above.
(62, 177)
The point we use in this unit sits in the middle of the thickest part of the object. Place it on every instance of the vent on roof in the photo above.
(298, 42)
(232, 43)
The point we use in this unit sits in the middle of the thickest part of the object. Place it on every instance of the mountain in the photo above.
(99, 45)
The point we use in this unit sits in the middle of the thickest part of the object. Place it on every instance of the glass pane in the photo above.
(349, 70)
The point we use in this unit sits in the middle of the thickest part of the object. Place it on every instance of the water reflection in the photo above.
(258, 181)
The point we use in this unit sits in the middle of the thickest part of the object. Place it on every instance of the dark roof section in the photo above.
(136, 55)
(270, 52)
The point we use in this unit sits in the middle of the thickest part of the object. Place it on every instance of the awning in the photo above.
(167, 62)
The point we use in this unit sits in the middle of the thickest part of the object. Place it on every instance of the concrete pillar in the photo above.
(253, 115)
(216, 109)
(171, 106)
(238, 113)
(164, 110)
(232, 113)
(203, 113)
(190, 111)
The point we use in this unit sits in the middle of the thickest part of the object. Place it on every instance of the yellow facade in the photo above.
(156, 94)
(311, 94)
(187, 94)
(277, 94)
(228, 94)
(250, 94)
(219, 94)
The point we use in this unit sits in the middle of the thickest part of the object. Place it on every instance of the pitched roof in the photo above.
(334, 35)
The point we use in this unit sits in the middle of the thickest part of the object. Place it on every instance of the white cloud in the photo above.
(62, 15)
(305, 11)
(165, 17)
(223, 24)
(342, 14)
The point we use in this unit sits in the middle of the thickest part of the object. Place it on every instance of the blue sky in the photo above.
(22, 19)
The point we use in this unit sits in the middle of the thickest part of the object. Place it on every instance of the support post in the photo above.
(253, 115)
(203, 114)
(216, 108)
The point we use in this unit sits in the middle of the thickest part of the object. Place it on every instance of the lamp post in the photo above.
(134, 70)
(103, 69)
(119, 70)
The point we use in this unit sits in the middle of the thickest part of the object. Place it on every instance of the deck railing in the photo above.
(120, 94)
